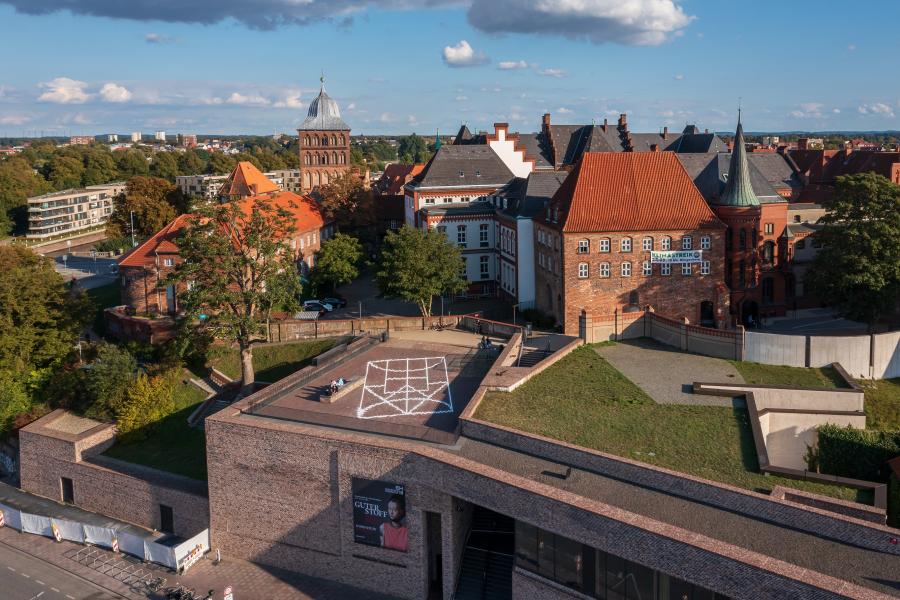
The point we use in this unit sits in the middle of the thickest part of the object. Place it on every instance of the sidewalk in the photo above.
(124, 575)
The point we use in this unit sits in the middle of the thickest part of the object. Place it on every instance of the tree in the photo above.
(190, 163)
(99, 167)
(131, 163)
(154, 201)
(238, 267)
(345, 200)
(148, 400)
(109, 378)
(337, 263)
(857, 271)
(64, 172)
(220, 163)
(18, 181)
(40, 318)
(164, 166)
(418, 265)
(412, 149)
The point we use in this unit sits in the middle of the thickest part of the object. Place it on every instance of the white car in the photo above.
(317, 305)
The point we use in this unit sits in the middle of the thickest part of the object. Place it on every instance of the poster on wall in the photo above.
(379, 514)
(669, 257)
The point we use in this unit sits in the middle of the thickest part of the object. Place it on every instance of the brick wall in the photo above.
(103, 485)
(144, 289)
(566, 294)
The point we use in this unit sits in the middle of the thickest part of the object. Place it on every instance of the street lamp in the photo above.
(133, 243)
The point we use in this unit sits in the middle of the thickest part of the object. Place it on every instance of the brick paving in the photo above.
(123, 575)
(667, 374)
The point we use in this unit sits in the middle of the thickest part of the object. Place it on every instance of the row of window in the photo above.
(449, 200)
(324, 159)
(315, 140)
(484, 268)
(603, 269)
(484, 235)
(596, 573)
(647, 244)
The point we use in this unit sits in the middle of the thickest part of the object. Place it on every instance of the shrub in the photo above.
(857, 453)
(109, 377)
(116, 245)
(893, 509)
(148, 400)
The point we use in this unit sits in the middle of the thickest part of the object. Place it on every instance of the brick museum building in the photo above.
(628, 232)
(144, 271)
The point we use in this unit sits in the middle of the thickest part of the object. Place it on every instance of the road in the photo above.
(24, 577)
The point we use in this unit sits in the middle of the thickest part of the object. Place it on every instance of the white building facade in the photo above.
(71, 211)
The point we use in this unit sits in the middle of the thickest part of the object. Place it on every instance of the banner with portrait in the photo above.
(379, 514)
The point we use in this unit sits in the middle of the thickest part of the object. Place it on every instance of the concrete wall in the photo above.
(534, 587)
(789, 435)
(290, 329)
(774, 349)
(128, 492)
(851, 351)
(886, 355)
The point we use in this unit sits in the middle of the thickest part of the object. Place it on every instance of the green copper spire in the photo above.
(738, 191)
(437, 140)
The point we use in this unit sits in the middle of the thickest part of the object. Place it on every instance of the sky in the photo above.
(75, 67)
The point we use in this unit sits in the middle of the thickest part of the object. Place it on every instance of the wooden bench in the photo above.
(350, 385)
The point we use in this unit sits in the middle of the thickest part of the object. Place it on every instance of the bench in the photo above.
(351, 384)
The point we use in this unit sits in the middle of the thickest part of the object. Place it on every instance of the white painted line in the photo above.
(25, 575)
(11, 569)
(39, 582)
(55, 590)
(70, 597)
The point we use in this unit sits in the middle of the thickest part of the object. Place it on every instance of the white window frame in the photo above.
(584, 246)
(625, 269)
(687, 242)
(461, 229)
(647, 268)
(666, 243)
(603, 269)
(686, 269)
(665, 269)
(647, 244)
(625, 244)
(704, 267)
(705, 242)
(583, 270)
(604, 245)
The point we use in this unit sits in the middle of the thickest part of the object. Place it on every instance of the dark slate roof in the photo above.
(738, 189)
(528, 197)
(710, 175)
(776, 169)
(458, 210)
(323, 115)
(793, 229)
(479, 165)
(466, 137)
(698, 142)
(537, 148)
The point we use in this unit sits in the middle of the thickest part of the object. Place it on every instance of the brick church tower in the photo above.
(324, 142)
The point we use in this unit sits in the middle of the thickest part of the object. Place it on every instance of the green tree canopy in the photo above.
(191, 163)
(346, 200)
(857, 270)
(418, 265)
(64, 172)
(40, 318)
(413, 149)
(132, 162)
(155, 203)
(337, 263)
(238, 266)
(109, 377)
(164, 166)
(18, 181)
(220, 163)
(99, 166)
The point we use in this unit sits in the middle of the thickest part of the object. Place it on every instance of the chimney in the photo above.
(665, 133)
(654, 147)
(605, 124)
(623, 120)
(546, 120)
(706, 130)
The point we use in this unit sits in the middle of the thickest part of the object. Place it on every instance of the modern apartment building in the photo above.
(208, 186)
(70, 211)
(135, 136)
(159, 136)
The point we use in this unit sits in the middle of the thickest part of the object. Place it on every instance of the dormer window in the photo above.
(477, 173)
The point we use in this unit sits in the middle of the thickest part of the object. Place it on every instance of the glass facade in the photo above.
(596, 573)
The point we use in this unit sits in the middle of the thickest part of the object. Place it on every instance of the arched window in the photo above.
(666, 243)
(604, 245)
(582, 270)
(647, 244)
(324, 178)
(604, 269)
(324, 140)
(306, 141)
(742, 239)
(334, 158)
(625, 244)
(306, 159)
(626, 269)
(306, 183)
(315, 179)
(343, 140)
(729, 239)
(584, 246)
(343, 159)
(334, 140)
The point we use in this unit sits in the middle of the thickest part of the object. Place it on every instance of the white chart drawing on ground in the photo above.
(405, 386)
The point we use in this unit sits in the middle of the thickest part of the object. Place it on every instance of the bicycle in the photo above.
(155, 584)
(179, 593)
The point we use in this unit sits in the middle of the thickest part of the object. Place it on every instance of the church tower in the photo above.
(324, 142)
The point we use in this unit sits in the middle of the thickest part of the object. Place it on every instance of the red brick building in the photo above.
(145, 269)
(608, 240)
(388, 192)
(324, 142)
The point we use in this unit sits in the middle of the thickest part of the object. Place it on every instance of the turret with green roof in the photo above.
(738, 190)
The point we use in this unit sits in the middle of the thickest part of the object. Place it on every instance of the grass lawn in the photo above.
(882, 403)
(272, 362)
(103, 296)
(756, 373)
(583, 400)
(172, 446)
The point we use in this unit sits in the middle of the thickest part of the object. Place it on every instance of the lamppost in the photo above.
(133, 243)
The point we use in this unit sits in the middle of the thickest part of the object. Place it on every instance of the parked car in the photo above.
(317, 305)
(335, 302)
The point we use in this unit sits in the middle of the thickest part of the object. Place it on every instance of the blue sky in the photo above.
(396, 66)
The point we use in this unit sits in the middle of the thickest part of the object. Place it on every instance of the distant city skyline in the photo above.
(398, 66)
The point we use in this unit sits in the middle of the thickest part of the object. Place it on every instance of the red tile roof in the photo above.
(631, 191)
(162, 242)
(246, 180)
(395, 176)
(307, 216)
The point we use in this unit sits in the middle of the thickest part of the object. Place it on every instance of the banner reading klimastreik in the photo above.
(668, 257)
(379, 514)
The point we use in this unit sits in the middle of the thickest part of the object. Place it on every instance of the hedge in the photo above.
(857, 453)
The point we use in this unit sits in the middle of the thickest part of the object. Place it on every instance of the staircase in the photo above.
(531, 356)
(487, 562)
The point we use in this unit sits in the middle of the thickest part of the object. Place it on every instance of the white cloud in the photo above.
(809, 110)
(552, 73)
(836, 111)
(157, 38)
(290, 99)
(386, 117)
(563, 110)
(252, 100)
(851, 47)
(463, 55)
(412, 120)
(461, 98)
(679, 77)
(636, 22)
(351, 106)
(877, 108)
(63, 90)
(113, 92)
(512, 65)
(14, 119)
